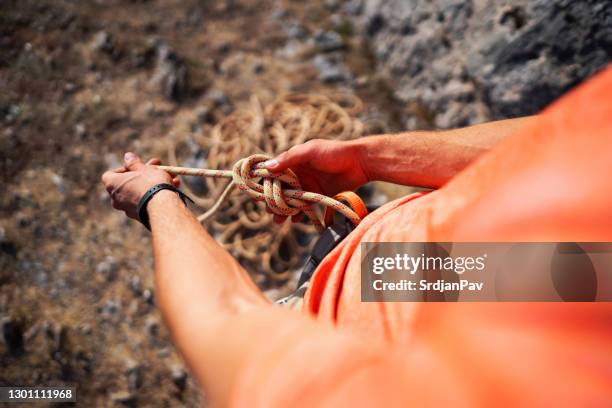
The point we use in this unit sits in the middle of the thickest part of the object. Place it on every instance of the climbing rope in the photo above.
(262, 185)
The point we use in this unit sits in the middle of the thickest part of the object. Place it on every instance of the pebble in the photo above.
(102, 41)
(328, 41)
(217, 97)
(179, 377)
(110, 309)
(133, 373)
(12, 335)
(259, 68)
(330, 69)
(204, 115)
(152, 326)
(170, 75)
(353, 7)
(374, 25)
(108, 268)
(123, 397)
(279, 14)
(135, 284)
(80, 131)
(295, 30)
(149, 296)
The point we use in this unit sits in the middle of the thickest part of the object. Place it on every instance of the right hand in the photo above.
(126, 185)
(323, 166)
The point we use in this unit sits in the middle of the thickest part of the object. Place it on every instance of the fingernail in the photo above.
(271, 163)
(129, 156)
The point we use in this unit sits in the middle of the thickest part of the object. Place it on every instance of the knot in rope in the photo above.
(282, 202)
(282, 192)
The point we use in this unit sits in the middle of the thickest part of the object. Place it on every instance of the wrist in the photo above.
(363, 149)
(162, 201)
(160, 193)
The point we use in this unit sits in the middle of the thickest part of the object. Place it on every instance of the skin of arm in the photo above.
(201, 290)
(422, 159)
(429, 159)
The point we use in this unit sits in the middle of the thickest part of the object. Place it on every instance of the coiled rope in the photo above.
(249, 175)
(272, 251)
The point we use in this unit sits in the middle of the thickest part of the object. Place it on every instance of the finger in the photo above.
(154, 161)
(177, 182)
(132, 162)
(109, 178)
(296, 155)
(121, 169)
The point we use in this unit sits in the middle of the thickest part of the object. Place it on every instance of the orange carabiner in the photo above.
(349, 198)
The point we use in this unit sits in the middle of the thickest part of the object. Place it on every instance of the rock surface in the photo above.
(465, 61)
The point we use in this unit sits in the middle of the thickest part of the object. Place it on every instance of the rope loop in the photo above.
(248, 175)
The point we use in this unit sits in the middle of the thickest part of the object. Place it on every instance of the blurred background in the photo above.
(81, 82)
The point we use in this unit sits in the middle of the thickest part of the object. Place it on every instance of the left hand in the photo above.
(126, 185)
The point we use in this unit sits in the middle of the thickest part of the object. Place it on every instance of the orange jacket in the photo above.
(552, 181)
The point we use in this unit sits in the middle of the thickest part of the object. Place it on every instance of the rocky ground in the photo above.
(82, 82)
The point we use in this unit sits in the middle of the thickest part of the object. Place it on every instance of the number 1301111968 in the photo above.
(22, 394)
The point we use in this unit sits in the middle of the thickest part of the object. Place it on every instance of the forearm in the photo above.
(199, 286)
(429, 159)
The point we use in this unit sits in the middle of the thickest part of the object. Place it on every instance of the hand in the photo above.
(323, 166)
(126, 185)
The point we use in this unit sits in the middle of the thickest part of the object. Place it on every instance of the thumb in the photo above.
(132, 161)
(293, 157)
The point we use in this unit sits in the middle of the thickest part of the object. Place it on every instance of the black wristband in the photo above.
(143, 216)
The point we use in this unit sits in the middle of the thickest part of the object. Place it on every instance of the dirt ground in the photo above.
(83, 82)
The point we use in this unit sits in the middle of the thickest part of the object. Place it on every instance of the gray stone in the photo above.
(170, 75)
(328, 41)
(152, 327)
(331, 69)
(353, 7)
(204, 115)
(80, 130)
(135, 284)
(463, 62)
(179, 377)
(295, 30)
(149, 296)
(102, 41)
(108, 268)
(217, 97)
(133, 374)
(110, 310)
